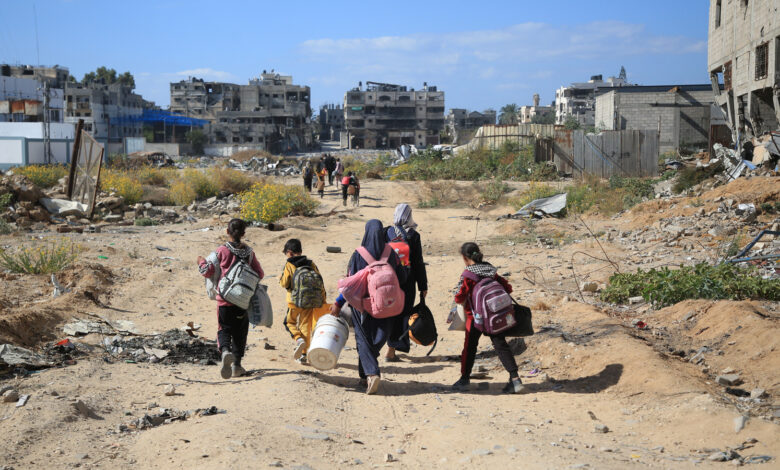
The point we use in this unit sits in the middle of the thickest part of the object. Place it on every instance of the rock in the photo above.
(333, 249)
(83, 409)
(718, 457)
(10, 396)
(602, 428)
(38, 215)
(739, 423)
(170, 390)
(636, 300)
(113, 218)
(24, 189)
(483, 452)
(276, 463)
(589, 286)
(606, 449)
(389, 458)
(757, 393)
(728, 379)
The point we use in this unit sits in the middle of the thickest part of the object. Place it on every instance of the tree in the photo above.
(508, 114)
(571, 123)
(197, 139)
(546, 118)
(108, 76)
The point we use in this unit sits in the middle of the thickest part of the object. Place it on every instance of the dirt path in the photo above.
(591, 369)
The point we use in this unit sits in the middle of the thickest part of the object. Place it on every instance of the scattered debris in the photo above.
(172, 347)
(10, 396)
(103, 326)
(166, 416)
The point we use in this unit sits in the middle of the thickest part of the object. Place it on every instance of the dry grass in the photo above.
(540, 305)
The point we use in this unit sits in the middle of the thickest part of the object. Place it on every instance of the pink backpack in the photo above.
(491, 305)
(385, 298)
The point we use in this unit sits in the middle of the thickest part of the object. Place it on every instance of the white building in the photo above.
(23, 143)
(579, 99)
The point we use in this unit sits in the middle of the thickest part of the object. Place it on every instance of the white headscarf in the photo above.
(403, 216)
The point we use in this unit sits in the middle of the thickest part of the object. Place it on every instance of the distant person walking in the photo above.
(338, 172)
(233, 321)
(330, 165)
(308, 177)
(321, 175)
(405, 239)
(371, 333)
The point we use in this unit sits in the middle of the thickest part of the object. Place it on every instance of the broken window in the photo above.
(727, 76)
(762, 61)
(717, 14)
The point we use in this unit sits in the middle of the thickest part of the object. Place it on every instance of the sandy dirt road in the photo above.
(660, 413)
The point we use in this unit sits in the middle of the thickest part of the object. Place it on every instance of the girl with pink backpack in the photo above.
(477, 276)
(375, 297)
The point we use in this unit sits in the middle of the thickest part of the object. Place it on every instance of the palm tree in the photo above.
(508, 114)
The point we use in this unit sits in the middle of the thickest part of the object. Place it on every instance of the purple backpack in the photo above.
(491, 305)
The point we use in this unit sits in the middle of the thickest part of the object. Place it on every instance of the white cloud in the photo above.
(206, 73)
(521, 43)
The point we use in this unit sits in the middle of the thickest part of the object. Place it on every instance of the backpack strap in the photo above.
(386, 254)
(362, 251)
(469, 275)
(397, 229)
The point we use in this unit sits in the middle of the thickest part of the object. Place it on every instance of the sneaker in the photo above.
(373, 384)
(237, 370)
(300, 349)
(462, 383)
(227, 362)
(514, 386)
(303, 360)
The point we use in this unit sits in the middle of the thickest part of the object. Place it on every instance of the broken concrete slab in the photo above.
(64, 207)
(14, 356)
(546, 206)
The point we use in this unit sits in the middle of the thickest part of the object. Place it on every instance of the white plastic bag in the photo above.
(457, 319)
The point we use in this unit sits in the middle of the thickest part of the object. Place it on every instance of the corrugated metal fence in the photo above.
(625, 153)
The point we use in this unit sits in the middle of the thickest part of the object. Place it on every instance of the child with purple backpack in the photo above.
(466, 293)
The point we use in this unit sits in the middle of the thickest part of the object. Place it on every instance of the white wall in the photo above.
(34, 130)
(10, 152)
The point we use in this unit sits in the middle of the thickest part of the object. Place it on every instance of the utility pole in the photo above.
(46, 125)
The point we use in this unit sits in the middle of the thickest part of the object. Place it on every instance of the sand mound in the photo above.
(29, 314)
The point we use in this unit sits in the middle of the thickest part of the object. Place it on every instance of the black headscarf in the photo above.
(374, 241)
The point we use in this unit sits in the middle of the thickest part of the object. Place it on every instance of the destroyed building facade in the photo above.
(527, 114)
(579, 99)
(32, 94)
(461, 123)
(384, 115)
(269, 113)
(99, 104)
(744, 64)
(330, 121)
(681, 113)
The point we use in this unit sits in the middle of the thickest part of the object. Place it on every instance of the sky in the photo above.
(481, 54)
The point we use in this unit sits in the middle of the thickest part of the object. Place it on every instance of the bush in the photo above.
(43, 176)
(5, 200)
(666, 286)
(230, 181)
(47, 259)
(145, 222)
(691, 176)
(431, 203)
(129, 187)
(493, 191)
(181, 193)
(201, 183)
(5, 227)
(268, 203)
(155, 176)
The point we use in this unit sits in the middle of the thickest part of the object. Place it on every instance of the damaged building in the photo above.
(330, 121)
(384, 115)
(269, 113)
(461, 123)
(681, 113)
(529, 114)
(31, 94)
(744, 64)
(579, 99)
